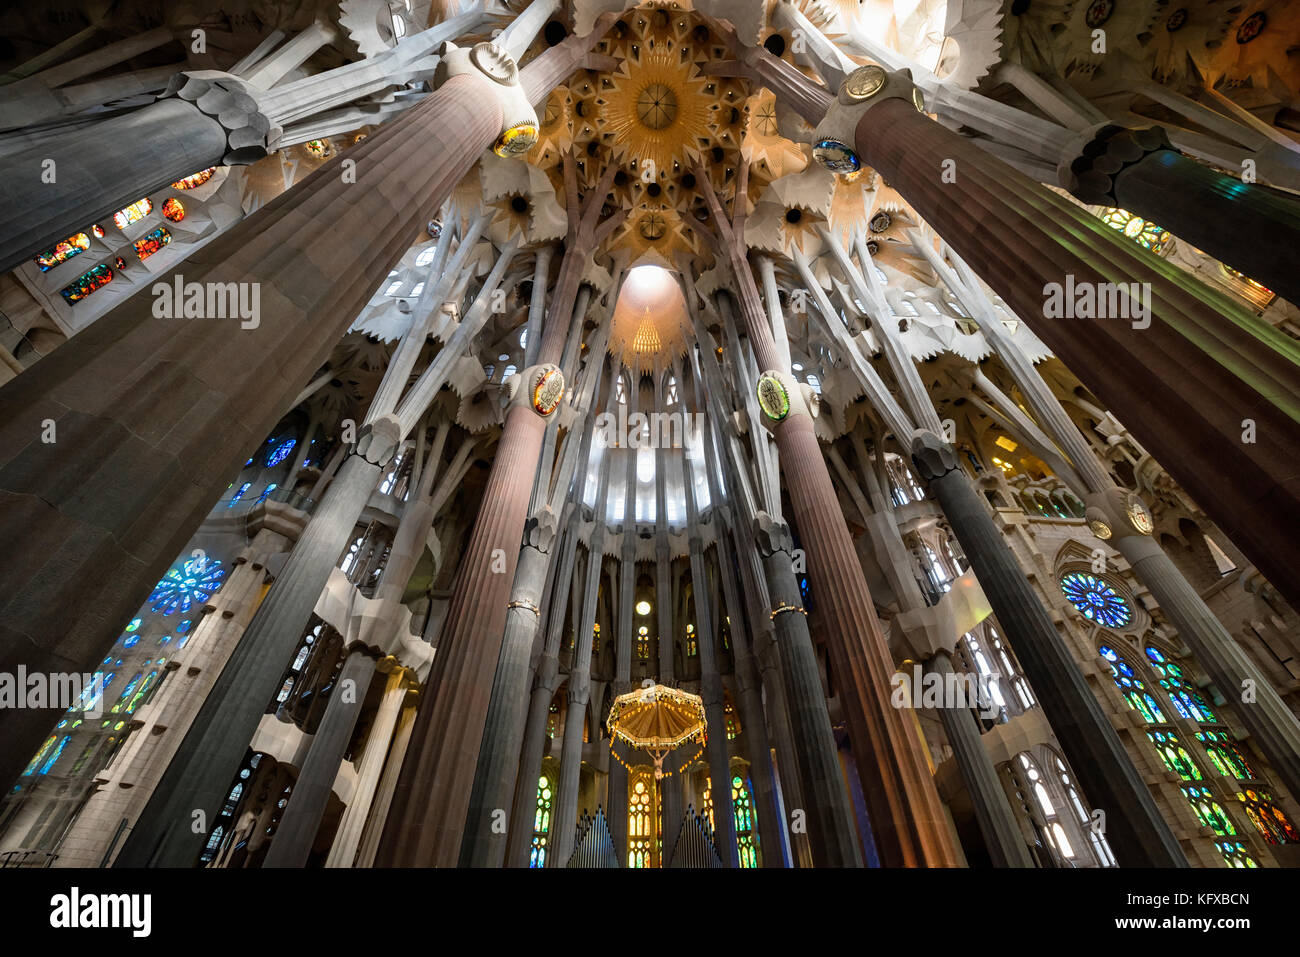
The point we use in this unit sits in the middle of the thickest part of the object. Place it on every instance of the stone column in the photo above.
(1021, 239)
(1138, 170)
(215, 118)
(370, 837)
(992, 812)
(297, 829)
(152, 414)
(503, 731)
(1135, 828)
(715, 749)
(831, 829)
(545, 683)
(1270, 721)
(907, 813)
(348, 837)
(199, 776)
(426, 821)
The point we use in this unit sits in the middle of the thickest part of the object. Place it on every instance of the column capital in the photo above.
(1101, 154)
(251, 134)
(865, 87)
(379, 440)
(541, 529)
(519, 126)
(772, 535)
(934, 458)
(1117, 513)
(540, 388)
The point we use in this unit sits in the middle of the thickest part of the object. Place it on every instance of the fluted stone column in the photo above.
(484, 845)
(831, 830)
(153, 414)
(297, 829)
(383, 799)
(1020, 238)
(1135, 828)
(199, 776)
(715, 748)
(426, 821)
(546, 681)
(1270, 721)
(348, 837)
(992, 812)
(912, 826)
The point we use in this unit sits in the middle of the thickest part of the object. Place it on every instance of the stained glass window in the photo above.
(133, 213)
(181, 588)
(53, 758)
(151, 242)
(1184, 697)
(266, 492)
(1131, 687)
(174, 210)
(692, 644)
(541, 823)
(1143, 232)
(1225, 755)
(197, 179)
(1207, 810)
(86, 283)
(239, 493)
(1176, 759)
(280, 452)
(318, 148)
(746, 835)
(733, 723)
(1096, 600)
(1234, 852)
(643, 643)
(1268, 818)
(74, 245)
(640, 823)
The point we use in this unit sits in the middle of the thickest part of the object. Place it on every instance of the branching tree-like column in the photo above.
(484, 845)
(214, 118)
(907, 814)
(200, 774)
(152, 415)
(1026, 243)
(1124, 520)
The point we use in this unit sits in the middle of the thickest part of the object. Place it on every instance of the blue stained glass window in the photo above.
(45, 768)
(194, 582)
(265, 493)
(1096, 600)
(280, 452)
(131, 641)
(183, 626)
(239, 493)
(135, 623)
